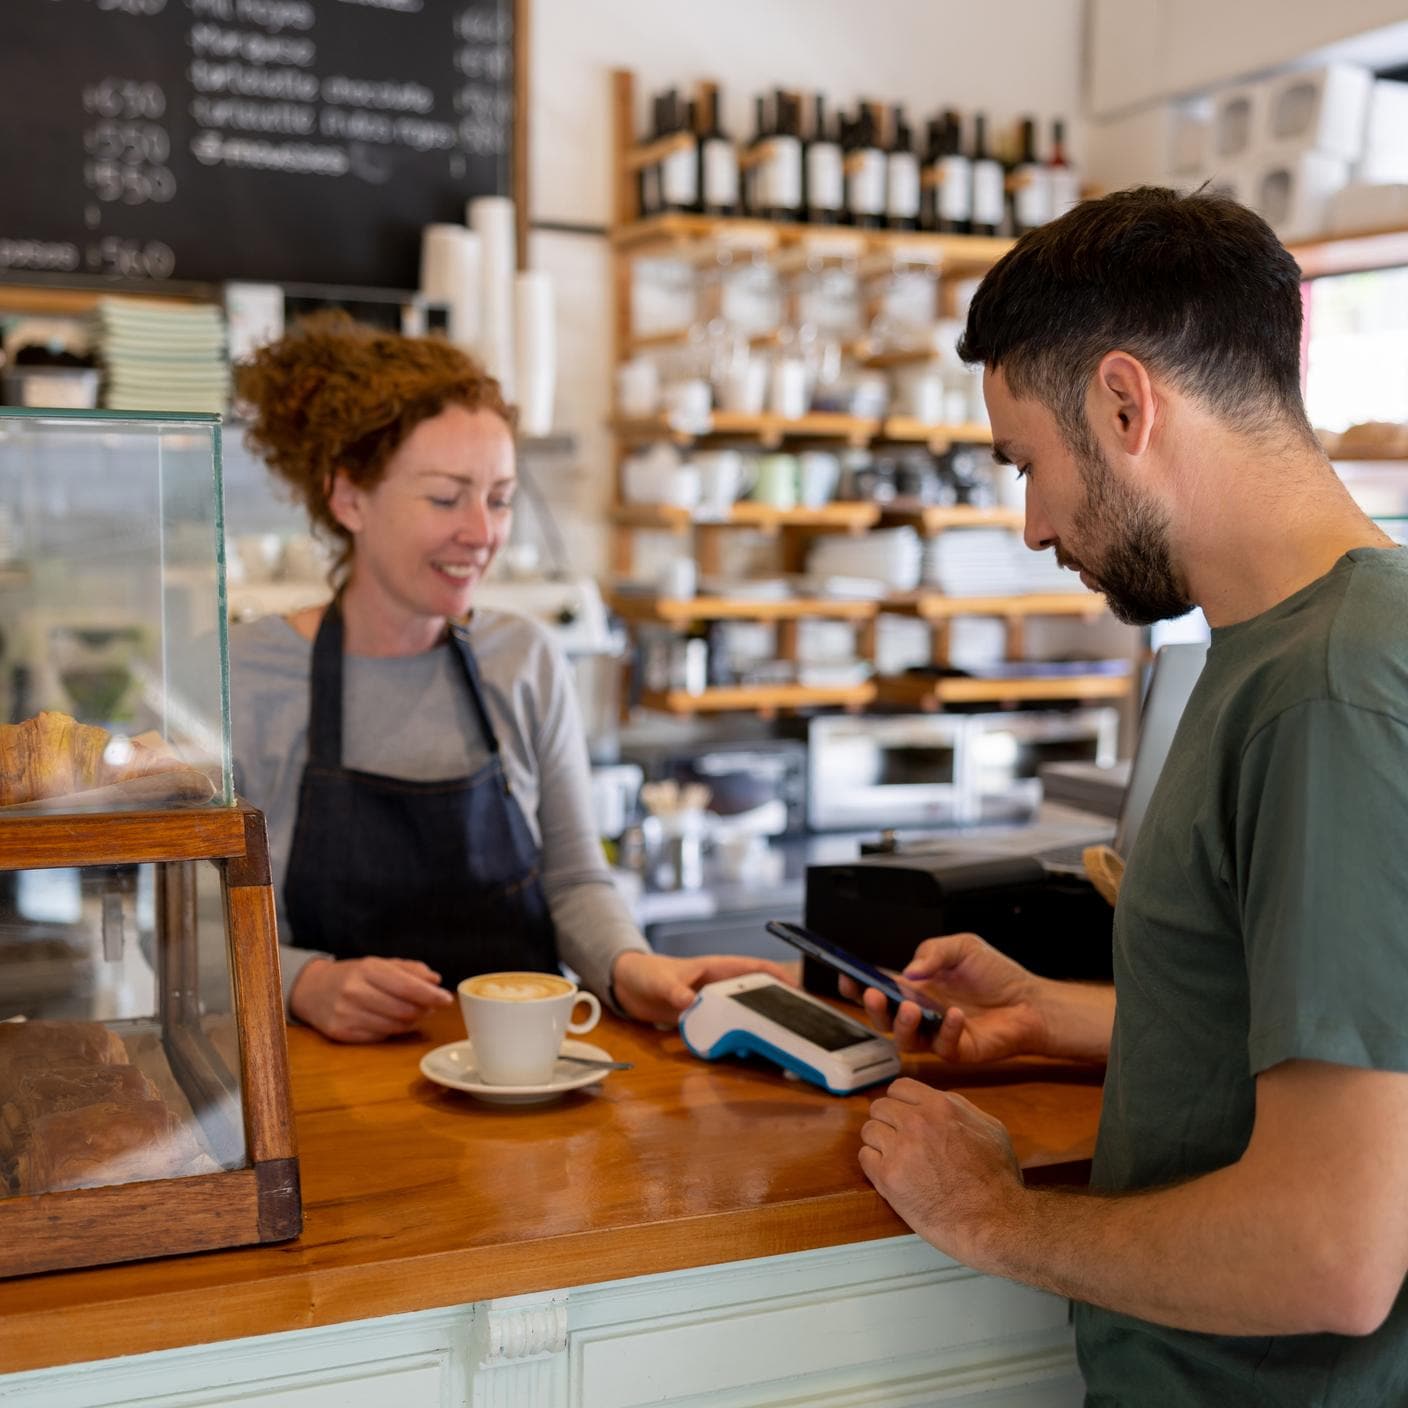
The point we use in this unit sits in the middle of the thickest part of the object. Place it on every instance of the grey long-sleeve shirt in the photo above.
(411, 717)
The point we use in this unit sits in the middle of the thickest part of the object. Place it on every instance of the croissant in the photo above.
(53, 755)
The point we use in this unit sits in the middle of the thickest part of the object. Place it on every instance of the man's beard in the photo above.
(1136, 571)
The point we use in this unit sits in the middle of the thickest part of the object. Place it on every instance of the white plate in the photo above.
(454, 1066)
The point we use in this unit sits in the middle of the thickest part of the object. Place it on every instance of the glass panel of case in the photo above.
(113, 666)
(119, 1056)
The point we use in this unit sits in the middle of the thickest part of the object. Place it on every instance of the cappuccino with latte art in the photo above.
(516, 1022)
(517, 987)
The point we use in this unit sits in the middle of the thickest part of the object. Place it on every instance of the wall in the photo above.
(1009, 58)
(1144, 52)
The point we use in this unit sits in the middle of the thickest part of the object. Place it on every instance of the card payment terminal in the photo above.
(757, 1015)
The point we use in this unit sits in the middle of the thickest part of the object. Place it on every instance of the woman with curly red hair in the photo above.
(421, 764)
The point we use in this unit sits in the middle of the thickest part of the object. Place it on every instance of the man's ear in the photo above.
(345, 502)
(1124, 401)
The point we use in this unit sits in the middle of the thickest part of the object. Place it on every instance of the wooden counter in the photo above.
(417, 1197)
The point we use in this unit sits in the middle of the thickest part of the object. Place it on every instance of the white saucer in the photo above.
(454, 1066)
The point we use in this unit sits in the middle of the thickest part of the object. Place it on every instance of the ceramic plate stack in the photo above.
(162, 357)
(975, 562)
(1042, 573)
(892, 556)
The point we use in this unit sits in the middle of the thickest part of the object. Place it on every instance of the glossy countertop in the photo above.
(416, 1196)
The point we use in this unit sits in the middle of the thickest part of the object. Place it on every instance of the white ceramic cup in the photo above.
(724, 476)
(638, 388)
(678, 579)
(516, 1022)
(743, 386)
(689, 405)
(818, 474)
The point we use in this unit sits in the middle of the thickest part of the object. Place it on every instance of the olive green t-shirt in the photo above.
(1263, 918)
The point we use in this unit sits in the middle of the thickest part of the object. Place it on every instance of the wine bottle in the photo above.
(865, 174)
(901, 176)
(679, 172)
(823, 172)
(989, 195)
(785, 173)
(953, 199)
(1065, 183)
(1028, 185)
(718, 159)
(648, 177)
(756, 195)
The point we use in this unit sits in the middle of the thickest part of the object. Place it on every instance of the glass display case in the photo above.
(144, 1105)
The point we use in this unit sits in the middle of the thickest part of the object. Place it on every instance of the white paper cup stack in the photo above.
(449, 273)
(537, 353)
(491, 218)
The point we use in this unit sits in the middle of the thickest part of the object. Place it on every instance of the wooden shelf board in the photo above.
(1352, 253)
(907, 429)
(842, 515)
(933, 518)
(934, 606)
(635, 606)
(648, 153)
(773, 430)
(759, 697)
(914, 691)
(955, 254)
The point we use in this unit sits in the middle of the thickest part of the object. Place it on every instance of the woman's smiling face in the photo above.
(426, 533)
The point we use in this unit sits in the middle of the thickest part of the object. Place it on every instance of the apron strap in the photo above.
(459, 638)
(325, 691)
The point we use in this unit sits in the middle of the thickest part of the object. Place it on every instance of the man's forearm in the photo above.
(1078, 1018)
(1216, 1254)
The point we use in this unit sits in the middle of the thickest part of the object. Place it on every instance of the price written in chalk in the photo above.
(130, 259)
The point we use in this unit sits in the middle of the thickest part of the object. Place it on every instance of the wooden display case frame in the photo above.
(164, 1217)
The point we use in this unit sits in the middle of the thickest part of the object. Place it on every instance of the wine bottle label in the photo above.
(786, 177)
(865, 181)
(988, 193)
(902, 180)
(1065, 189)
(1031, 195)
(679, 178)
(826, 180)
(720, 173)
(955, 182)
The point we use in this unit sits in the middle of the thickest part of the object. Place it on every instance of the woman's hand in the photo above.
(365, 999)
(652, 987)
(992, 1006)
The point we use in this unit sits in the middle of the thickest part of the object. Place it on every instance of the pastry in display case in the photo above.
(144, 1105)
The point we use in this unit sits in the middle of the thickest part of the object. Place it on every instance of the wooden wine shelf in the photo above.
(680, 611)
(770, 431)
(934, 518)
(926, 695)
(763, 699)
(840, 516)
(934, 606)
(955, 254)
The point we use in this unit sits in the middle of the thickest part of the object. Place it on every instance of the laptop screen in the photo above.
(1176, 670)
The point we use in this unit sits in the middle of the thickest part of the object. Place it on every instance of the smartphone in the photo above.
(866, 974)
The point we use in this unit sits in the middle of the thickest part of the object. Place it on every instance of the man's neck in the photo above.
(1265, 526)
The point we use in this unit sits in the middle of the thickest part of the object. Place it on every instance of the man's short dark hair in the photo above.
(1197, 287)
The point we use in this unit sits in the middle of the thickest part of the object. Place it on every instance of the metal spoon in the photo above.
(595, 1064)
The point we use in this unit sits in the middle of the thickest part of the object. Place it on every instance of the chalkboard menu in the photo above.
(289, 141)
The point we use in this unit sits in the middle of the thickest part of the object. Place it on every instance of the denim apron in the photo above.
(446, 872)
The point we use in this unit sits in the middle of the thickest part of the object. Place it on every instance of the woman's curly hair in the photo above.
(334, 394)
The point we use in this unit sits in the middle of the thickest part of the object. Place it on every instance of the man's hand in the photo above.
(944, 1166)
(991, 1005)
(365, 999)
(652, 987)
